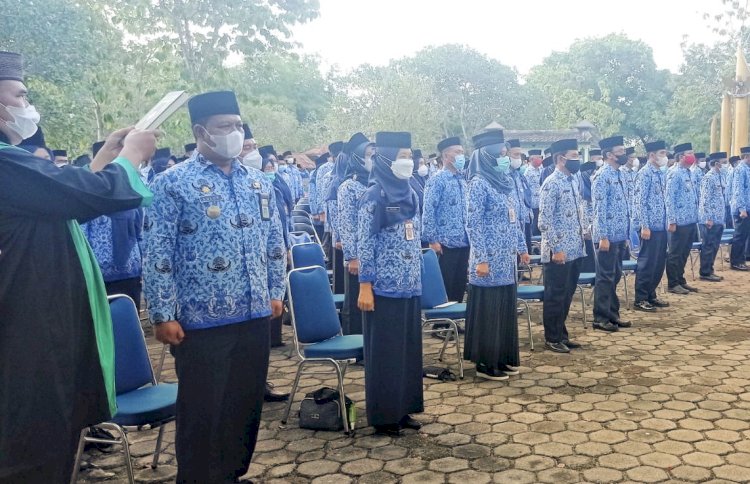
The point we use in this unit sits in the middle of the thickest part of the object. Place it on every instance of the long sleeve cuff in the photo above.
(136, 183)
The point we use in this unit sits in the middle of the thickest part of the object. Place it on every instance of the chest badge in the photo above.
(256, 185)
(205, 189)
(213, 211)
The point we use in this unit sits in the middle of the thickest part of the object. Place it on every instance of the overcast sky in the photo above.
(518, 33)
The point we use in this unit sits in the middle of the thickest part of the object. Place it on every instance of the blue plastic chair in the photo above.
(436, 309)
(296, 238)
(142, 403)
(317, 331)
(311, 254)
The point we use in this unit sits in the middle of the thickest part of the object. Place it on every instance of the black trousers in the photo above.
(527, 236)
(339, 273)
(710, 247)
(651, 262)
(680, 243)
(739, 240)
(351, 317)
(222, 373)
(728, 221)
(608, 275)
(327, 249)
(454, 266)
(535, 223)
(588, 263)
(560, 282)
(130, 287)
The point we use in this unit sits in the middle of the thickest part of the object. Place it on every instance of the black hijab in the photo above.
(395, 199)
(482, 164)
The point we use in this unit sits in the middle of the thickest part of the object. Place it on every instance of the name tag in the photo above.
(512, 214)
(265, 211)
(392, 209)
(409, 230)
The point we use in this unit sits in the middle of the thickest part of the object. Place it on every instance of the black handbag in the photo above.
(438, 373)
(321, 410)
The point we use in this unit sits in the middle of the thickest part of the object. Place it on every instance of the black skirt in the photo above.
(393, 360)
(492, 326)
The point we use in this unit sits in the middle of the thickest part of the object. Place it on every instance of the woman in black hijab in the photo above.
(390, 279)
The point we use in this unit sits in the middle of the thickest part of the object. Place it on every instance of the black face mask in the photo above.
(622, 159)
(573, 166)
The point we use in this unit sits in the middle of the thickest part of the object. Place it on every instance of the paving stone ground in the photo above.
(668, 400)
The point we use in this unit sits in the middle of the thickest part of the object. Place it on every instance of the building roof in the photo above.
(549, 136)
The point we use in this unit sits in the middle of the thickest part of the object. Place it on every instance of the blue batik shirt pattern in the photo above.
(533, 176)
(628, 179)
(332, 219)
(318, 193)
(649, 209)
(98, 232)
(392, 264)
(324, 186)
(215, 250)
(522, 195)
(350, 193)
(711, 204)
(611, 207)
(444, 217)
(561, 218)
(681, 199)
(741, 188)
(726, 176)
(494, 236)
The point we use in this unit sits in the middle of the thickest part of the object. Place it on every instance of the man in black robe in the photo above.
(56, 345)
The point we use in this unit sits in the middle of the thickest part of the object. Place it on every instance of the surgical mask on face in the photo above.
(422, 171)
(253, 160)
(227, 145)
(523, 169)
(662, 161)
(599, 163)
(283, 168)
(663, 168)
(515, 163)
(573, 165)
(689, 159)
(402, 168)
(459, 162)
(636, 164)
(271, 175)
(622, 159)
(368, 164)
(702, 165)
(25, 120)
(503, 164)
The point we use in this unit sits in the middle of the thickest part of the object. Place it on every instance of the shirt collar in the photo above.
(237, 167)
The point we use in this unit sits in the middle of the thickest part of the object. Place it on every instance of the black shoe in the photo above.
(272, 396)
(508, 370)
(490, 373)
(658, 303)
(739, 267)
(622, 324)
(644, 306)
(606, 326)
(557, 347)
(572, 345)
(394, 430)
(712, 278)
(678, 290)
(690, 288)
(409, 423)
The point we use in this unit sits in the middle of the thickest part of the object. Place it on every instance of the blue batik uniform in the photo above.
(611, 222)
(681, 199)
(561, 220)
(116, 241)
(494, 234)
(444, 203)
(350, 193)
(386, 259)
(215, 250)
(650, 212)
(522, 195)
(533, 178)
(628, 179)
(318, 188)
(740, 199)
(710, 209)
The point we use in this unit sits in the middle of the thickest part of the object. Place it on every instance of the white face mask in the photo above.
(368, 164)
(636, 164)
(701, 165)
(662, 161)
(599, 163)
(25, 120)
(227, 145)
(422, 170)
(516, 163)
(403, 168)
(253, 160)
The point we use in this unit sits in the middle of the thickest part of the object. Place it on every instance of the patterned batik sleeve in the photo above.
(638, 219)
(429, 217)
(276, 253)
(475, 219)
(366, 243)
(599, 196)
(158, 269)
(704, 202)
(671, 197)
(348, 221)
(548, 200)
